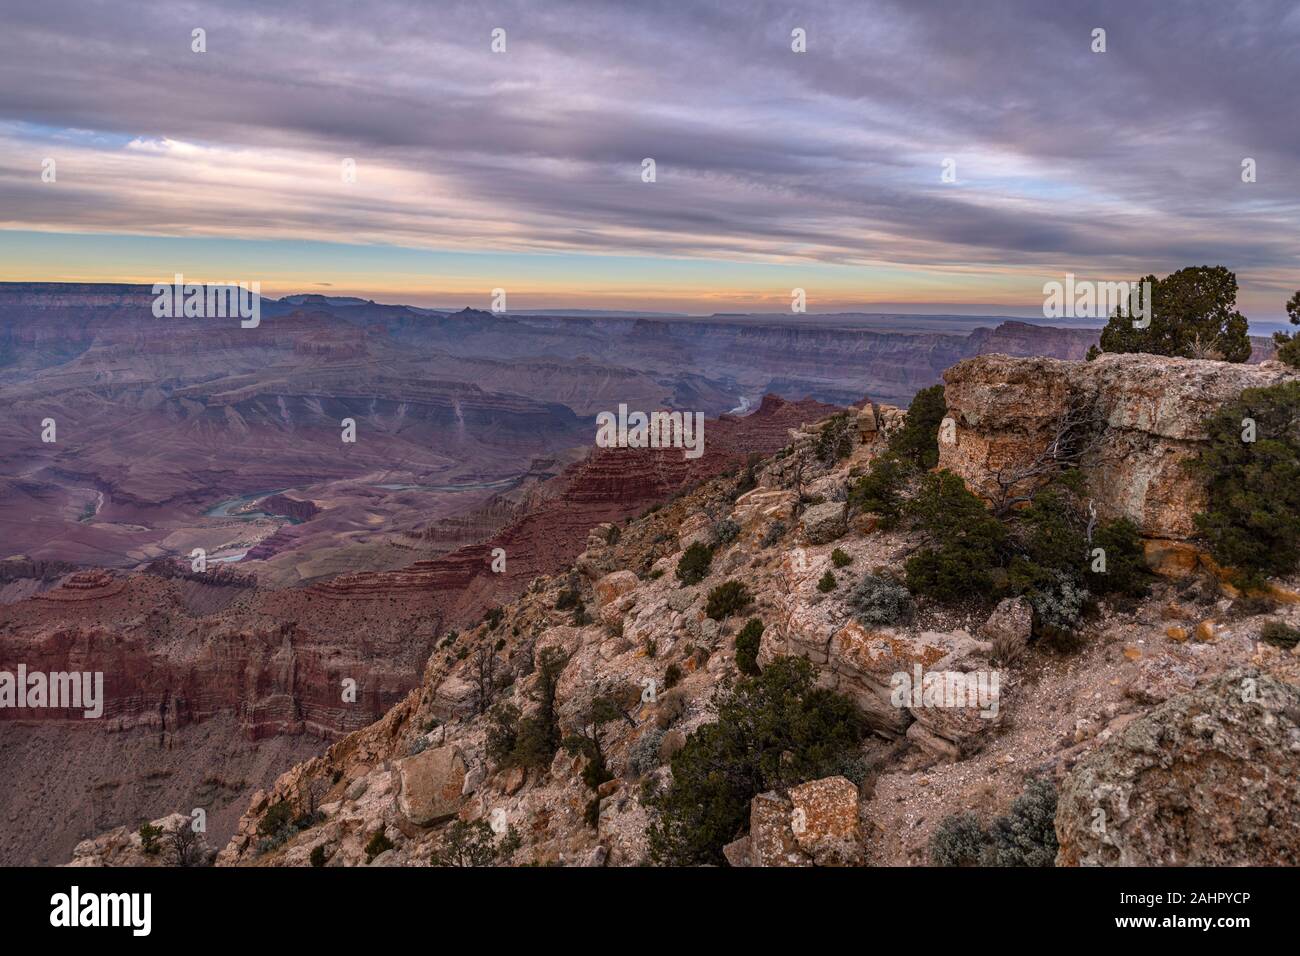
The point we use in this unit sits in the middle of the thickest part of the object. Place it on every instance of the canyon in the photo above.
(331, 564)
(211, 666)
(1165, 704)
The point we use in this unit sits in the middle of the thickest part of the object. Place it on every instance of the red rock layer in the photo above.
(278, 659)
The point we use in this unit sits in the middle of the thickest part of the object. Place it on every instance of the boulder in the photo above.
(824, 523)
(868, 422)
(771, 840)
(756, 511)
(695, 529)
(613, 586)
(432, 784)
(613, 613)
(932, 743)
(861, 662)
(1209, 778)
(736, 852)
(964, 714)
(824, 821)
(455, 696)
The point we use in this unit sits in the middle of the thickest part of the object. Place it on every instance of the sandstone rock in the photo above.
(963, 719)
(831, 489)
(614, 585)
(1171, 559)
(1152, 408)
(123, 846)
(592, 564)
(513, 780)
(824, 820)
(860, 662)
(596, 856)
(682, 599)
(455, 696)
(705, 629)
(823, 523)
(357, 788)
(1210, 778)
(563, 638)
(432, 783)
(1011, 620)
(616, 610)
(771, 840)
(868, 422)
(474, 777)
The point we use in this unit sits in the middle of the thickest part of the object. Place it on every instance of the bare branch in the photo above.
(1073, 436)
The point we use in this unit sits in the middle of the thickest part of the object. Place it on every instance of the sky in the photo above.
(523, 170)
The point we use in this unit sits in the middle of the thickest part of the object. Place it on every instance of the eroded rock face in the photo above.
(1151, 408)
(1209, 778)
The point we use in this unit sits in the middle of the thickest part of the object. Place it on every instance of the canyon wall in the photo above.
(234, 668)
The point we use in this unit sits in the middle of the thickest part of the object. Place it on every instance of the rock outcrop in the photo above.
(815, 824)
(1209, 778)
(123, 846)
(1150, 409)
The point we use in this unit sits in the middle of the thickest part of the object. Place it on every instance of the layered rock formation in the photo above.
(182, 650)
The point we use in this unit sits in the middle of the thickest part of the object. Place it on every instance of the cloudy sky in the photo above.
(774, 169)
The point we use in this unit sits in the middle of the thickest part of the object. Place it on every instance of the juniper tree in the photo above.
(1192, 313)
